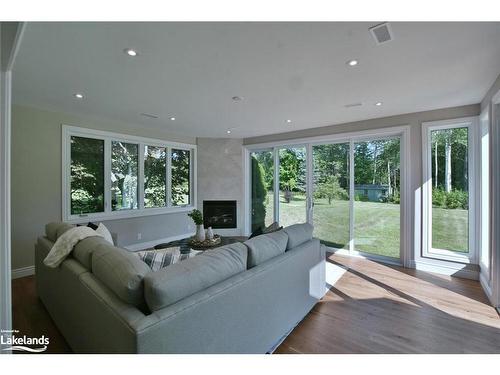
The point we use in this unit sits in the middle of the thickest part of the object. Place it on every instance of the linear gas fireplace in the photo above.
(219, 214)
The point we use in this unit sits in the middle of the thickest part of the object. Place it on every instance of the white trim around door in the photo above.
(495, 199)
(11, 35)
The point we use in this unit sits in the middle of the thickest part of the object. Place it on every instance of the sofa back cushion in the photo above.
(85, 248)
(180, 280)
(56, 229)
(121, 271)
(298, 234)
(265, 247)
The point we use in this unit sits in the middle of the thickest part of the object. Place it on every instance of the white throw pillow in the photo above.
(104, 232)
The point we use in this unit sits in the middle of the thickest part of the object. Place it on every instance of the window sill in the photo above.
(126, 214)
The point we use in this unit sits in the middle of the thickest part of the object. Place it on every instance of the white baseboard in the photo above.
(446, 268)
(22, 272)
(151, 244)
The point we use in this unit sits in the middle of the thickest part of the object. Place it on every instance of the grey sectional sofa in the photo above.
(240, 298)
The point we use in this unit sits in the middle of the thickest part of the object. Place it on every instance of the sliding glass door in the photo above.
(292, 186)
(376, 197)
(349, 190)
(331, 208)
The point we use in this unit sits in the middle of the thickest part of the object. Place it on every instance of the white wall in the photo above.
(36, 181)
(220, 175)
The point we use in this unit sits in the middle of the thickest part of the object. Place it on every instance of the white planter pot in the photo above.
(200, 233)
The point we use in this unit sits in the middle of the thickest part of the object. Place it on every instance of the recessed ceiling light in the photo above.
(289, 121)
(79, 95)
(172, 118)
(352, 62)
(237, 98)
(378, 104)
(228, 131)
(130, 52)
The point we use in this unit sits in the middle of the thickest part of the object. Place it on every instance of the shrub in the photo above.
(452, 200)
(361, 198)
(395, 198)
(438, 198)
(457, 199)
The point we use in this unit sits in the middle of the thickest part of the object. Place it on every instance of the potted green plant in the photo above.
(197, 217)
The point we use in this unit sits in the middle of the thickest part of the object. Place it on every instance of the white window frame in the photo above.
(70, 131)
(484, 193)
(471, 123)
(403, 132)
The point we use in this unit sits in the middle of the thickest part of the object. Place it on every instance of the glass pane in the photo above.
(376, 197)
(87, 175)
(155, 172)
(331, 194)
(262, 189)
(124, 168)
(450, 186)
(180, 177)
(292, 195)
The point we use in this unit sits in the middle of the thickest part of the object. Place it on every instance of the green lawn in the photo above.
(376, 225)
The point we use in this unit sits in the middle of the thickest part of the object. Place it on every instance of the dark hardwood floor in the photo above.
(30, 317)
(373, 308)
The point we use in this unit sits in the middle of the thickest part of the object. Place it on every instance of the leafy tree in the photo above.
(330, 189)
(259, 195)
(155, 163)
(449, 153)
(124, 170)
(180, 177)
(266, 159)
(87, 175)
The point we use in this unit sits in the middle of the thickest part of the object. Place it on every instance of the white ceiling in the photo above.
(283, 71)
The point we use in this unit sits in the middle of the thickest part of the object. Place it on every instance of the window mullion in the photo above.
(168, 176)
(107, 175)
(140, 177)
(351, 195)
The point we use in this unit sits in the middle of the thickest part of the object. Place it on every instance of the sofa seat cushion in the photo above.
(84, 249)
(265, 247)
(298, 234)
(122, 272)
(178, 281)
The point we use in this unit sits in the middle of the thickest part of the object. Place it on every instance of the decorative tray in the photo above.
(206, 243)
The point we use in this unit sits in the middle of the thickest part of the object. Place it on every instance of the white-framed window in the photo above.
(109, 175)
(449, 190)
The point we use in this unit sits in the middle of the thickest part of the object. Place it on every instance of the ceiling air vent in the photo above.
(382, 33)
(149, 115)
(351, 105)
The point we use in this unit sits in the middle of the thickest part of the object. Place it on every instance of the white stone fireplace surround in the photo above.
(220, 176)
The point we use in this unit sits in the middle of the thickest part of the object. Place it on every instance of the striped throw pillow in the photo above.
(158, 259)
